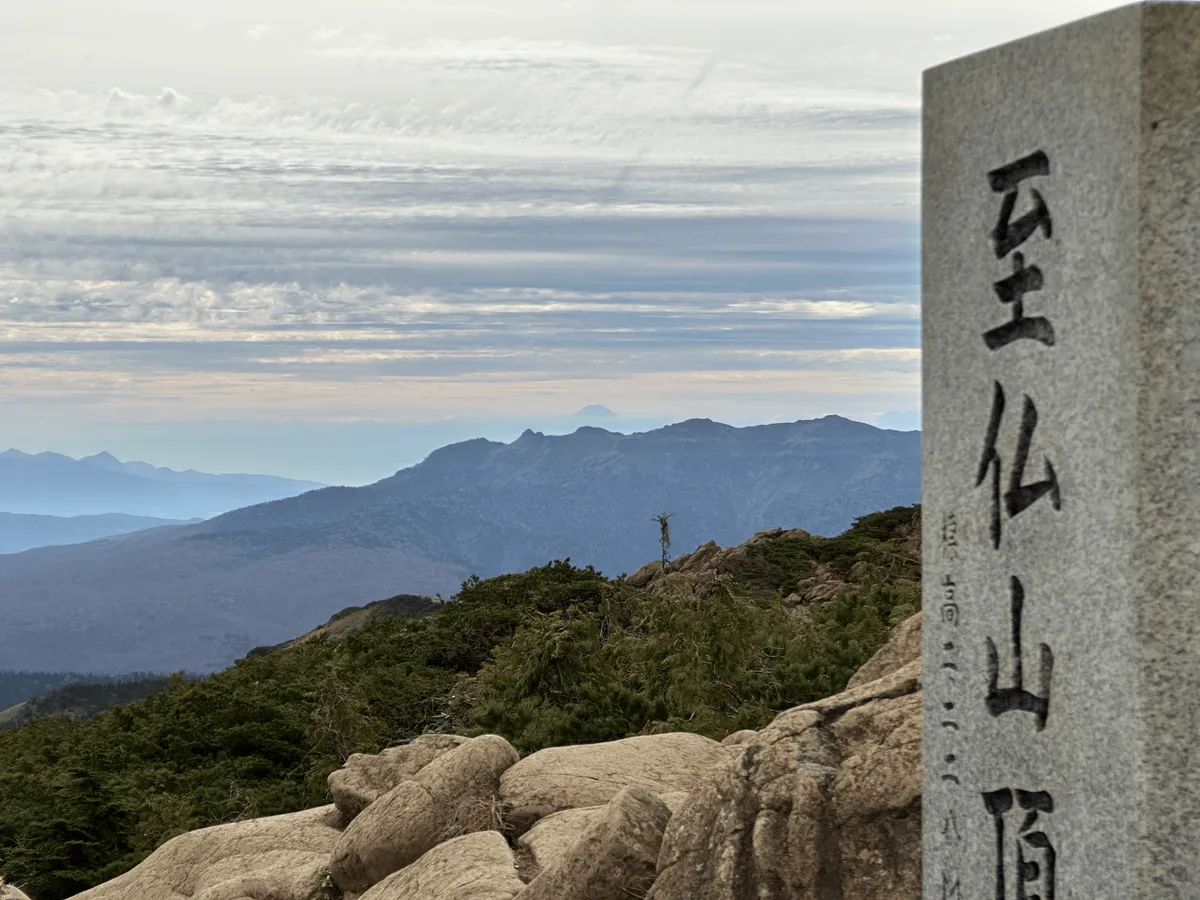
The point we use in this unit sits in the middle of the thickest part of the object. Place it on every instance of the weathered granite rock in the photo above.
(820, 587)
(451, 796)
(704, 565)
(592, 774)
(553, 836)
(367, 777)
(274, 858)
(745, 736)
(674, 800)
(645, 574)
(477, 866)
(275, 875)
(903, 647)
(877, 798)
(10, 892)
(614, 857)
(827, 798)
(692, 573)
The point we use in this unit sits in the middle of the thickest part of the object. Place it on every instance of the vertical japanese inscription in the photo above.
(950, 616)
(1025, 857)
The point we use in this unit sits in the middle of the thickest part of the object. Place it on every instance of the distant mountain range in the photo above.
(55, 485)
(198, 596)
(20, 531)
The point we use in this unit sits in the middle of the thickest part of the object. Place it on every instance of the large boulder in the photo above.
(877, 799)
(366, 777)
(585, 775)
(451, 796)
(615, 856)
(825, 801)
(10, 892)
(551, 838)
(476, 866)
(273, 858)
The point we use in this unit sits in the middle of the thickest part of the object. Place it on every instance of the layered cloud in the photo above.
(442, 210)
(359, 222)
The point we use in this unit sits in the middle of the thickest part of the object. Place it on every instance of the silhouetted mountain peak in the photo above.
(592, 431)
(703, 429)
(595, 410)
(50, 456)
(842, 425)
(105, 459)
(464, 454)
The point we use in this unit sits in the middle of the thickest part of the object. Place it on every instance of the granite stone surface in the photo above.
(1061, 470)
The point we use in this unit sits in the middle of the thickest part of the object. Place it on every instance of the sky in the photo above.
(320, 240)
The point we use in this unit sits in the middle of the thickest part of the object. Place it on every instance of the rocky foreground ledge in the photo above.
(823, 802)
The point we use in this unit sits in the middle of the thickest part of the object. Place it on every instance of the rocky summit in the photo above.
(825, 801)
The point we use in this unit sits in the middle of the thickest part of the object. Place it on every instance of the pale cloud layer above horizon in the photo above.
(228, 222)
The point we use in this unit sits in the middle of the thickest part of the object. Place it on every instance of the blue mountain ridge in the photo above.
(198, 596)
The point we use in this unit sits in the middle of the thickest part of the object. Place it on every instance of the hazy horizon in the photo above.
(373, 461)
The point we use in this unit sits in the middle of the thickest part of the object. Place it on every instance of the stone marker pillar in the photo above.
(1061, 346)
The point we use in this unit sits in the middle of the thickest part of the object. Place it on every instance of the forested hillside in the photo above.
(16, 687)
(83, 700)
(555, 655)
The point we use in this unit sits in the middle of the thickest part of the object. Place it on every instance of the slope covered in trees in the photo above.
(551, 656)
(83, 700)
(17, 687)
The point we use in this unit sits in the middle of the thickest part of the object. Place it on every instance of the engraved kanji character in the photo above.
(1018, 497)
(1035, 875)
(1008, 235)
(1024, 280)
(1016, 698)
